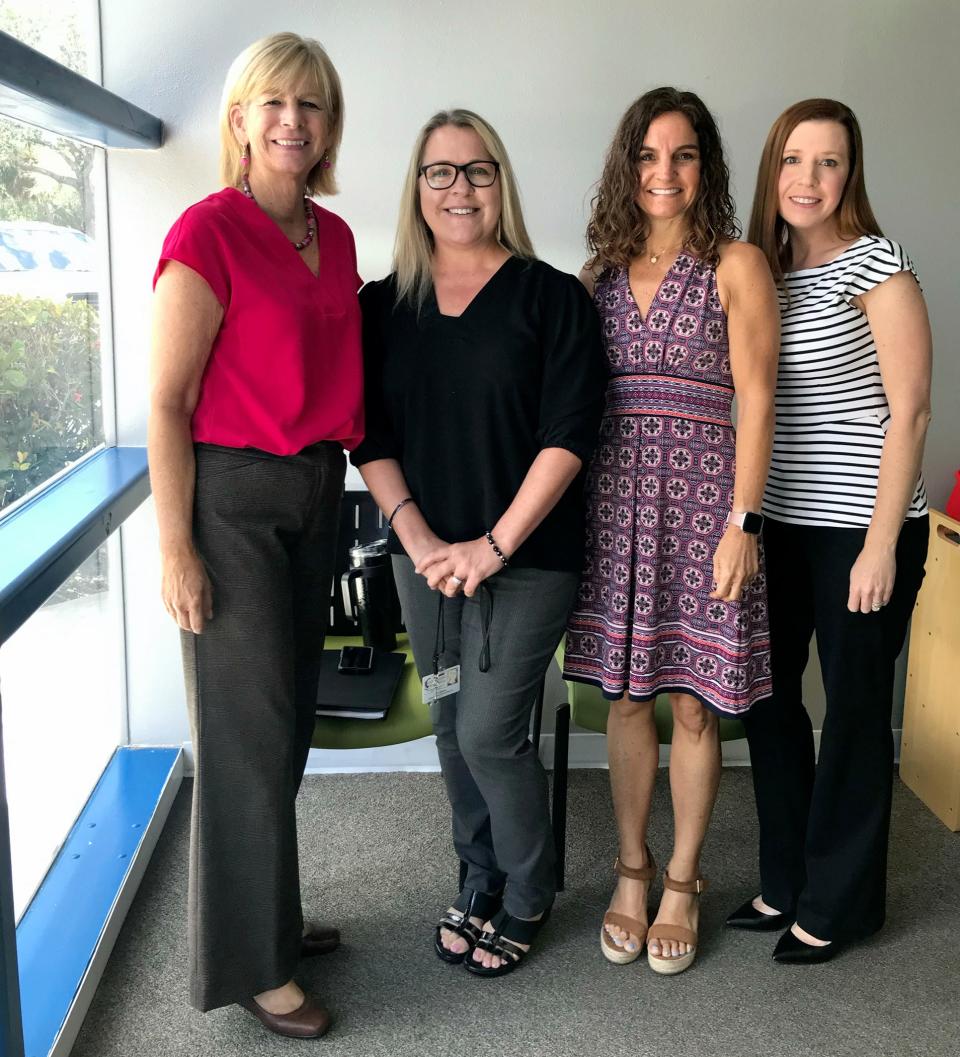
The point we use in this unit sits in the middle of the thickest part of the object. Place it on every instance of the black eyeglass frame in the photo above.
(457, 169)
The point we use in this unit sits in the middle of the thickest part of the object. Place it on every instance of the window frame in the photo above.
(84, 504)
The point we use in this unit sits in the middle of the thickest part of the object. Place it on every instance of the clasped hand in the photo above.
(735, 563)
(470, 563)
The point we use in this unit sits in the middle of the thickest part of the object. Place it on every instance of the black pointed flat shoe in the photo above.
(792, 951)
(752, 920)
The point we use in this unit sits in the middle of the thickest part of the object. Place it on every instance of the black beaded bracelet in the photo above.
(496, 550)
(397, 509)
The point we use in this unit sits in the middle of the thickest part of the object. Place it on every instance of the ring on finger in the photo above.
(877, 606)
(456, 580)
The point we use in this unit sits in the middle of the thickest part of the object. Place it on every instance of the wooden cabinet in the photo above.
(930, 749)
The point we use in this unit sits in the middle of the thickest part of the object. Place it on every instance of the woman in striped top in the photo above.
(845, 531)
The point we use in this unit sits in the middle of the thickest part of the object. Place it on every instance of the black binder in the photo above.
(366, 696)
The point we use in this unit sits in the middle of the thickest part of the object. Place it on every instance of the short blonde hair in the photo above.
(277, 62)
(413, 248)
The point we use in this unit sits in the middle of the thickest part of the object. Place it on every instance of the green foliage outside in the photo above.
(50, 405)
(43, 176)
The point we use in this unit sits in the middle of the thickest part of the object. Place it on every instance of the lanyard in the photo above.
(486, 618)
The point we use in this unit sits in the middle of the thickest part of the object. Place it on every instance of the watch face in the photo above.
(752, 523)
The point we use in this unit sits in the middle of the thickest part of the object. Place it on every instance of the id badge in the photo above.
(443, 684)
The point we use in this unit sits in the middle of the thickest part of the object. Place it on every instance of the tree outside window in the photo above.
(50, 376)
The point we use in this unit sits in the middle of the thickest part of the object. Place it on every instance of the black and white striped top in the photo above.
(832, 412)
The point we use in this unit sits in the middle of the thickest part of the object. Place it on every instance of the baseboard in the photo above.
(586, 750)
(589, 750)
(419, 755)
(67, 933)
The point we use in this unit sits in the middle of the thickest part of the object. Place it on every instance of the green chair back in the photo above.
(407, 720)
(589, 709)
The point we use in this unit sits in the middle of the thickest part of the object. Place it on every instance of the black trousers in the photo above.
(265, 527)
(824, 824)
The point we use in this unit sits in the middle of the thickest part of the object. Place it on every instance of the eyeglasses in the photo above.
(443, 174)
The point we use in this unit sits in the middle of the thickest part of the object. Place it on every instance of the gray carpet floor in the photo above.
(376, 860)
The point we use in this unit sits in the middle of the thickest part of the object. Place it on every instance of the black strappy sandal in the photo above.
(507, 932)
(468, 904)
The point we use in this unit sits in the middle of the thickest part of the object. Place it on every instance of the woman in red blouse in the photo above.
(256, 389)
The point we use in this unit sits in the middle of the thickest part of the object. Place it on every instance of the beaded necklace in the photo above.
(307, 212)
(307, 208)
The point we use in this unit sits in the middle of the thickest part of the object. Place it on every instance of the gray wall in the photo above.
(554, 79)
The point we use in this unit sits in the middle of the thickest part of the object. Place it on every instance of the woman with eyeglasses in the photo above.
(484, 384)
(256, 389)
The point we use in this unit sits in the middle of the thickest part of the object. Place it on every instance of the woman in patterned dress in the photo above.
(846, 534)
(672, 598)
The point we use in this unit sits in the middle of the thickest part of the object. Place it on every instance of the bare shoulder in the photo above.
(743, 272)
(742, 258)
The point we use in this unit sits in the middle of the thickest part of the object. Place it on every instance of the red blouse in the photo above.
(286, 368)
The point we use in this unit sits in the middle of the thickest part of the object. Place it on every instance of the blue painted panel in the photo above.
(59, 932)
(11, 1031)
(45, 539)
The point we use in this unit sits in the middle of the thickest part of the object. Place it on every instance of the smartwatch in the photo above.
(747, 520)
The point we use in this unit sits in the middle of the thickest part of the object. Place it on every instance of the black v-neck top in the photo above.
(465, 403)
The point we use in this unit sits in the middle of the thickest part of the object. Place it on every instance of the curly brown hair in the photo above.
(618, 227)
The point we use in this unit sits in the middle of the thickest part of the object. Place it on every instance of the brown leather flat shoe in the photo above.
(310, 1021)
(319, 939)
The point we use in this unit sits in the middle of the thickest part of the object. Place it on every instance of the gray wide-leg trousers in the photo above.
(265, 527)
(495, 782)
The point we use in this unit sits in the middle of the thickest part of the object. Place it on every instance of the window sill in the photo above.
(43, 541)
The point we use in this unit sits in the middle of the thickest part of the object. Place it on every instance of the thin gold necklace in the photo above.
(656, 256)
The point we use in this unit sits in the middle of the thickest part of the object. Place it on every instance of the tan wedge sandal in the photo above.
(613, 953)
(671, 966)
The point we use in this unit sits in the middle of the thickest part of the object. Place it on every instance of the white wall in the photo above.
(554, 79)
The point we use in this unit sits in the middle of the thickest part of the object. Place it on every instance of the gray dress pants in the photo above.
(265, 527)
(495, 782)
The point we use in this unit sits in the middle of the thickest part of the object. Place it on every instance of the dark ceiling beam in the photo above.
(40, 91)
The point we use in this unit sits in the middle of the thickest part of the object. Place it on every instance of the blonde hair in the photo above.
(413, 248)
(277, 62)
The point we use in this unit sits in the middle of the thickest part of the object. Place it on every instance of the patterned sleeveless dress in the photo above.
(658, 491)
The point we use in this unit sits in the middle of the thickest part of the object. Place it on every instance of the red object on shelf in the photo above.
(953, 503)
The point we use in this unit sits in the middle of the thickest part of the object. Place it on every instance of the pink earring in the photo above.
(244, 171)
(324, 161)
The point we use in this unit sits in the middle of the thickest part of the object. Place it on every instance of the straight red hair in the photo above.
(768, 229)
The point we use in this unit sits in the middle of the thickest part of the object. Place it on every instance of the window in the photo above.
(65, 30)
(62, 660)
(62, 680)
(52, 271)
